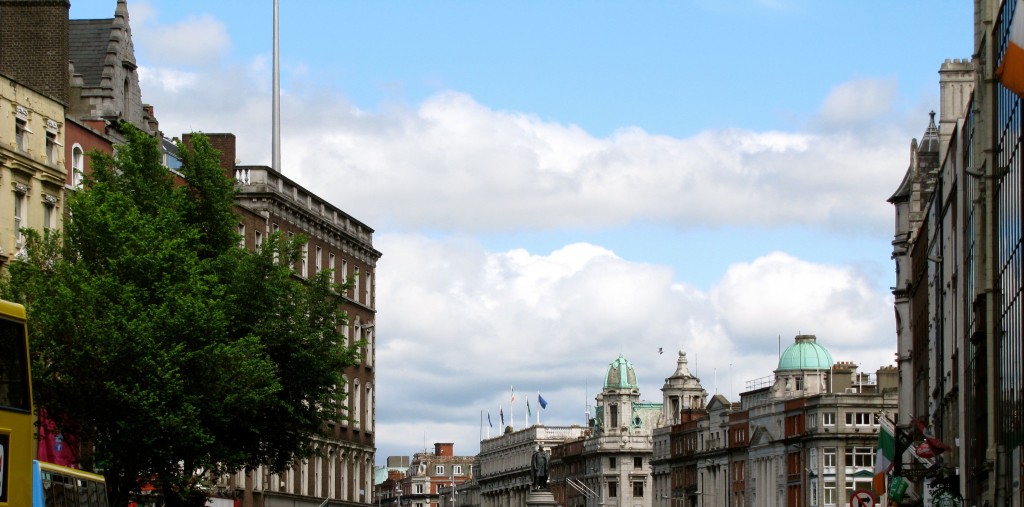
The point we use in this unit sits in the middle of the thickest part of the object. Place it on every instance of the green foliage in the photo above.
(160, 341)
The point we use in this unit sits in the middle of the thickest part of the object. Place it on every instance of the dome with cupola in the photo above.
(805, 354)
(621, 375)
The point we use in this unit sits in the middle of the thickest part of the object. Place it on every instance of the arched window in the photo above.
(77, 166)
(125, 100)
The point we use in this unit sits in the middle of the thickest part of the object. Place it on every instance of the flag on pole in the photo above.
(489, 423)
(529, 413)
(1011, 69)
(885, 454)
(501, 414)
(513, 389)
(542, 401)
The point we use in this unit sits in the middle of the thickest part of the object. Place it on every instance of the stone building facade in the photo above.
(430, 480)
(959, 249)
(804, 436)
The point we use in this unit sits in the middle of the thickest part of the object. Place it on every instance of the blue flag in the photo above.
(501, 413)
(542, 401)
(489, 423)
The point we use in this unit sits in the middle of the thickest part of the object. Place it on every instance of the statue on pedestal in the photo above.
(539, 466)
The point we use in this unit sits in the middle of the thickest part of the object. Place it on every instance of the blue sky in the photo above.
(555, 183)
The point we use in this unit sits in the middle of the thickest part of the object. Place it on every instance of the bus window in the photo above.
(68, 487)
(13, 369)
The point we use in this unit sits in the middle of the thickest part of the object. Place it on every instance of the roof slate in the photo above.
(89, 39)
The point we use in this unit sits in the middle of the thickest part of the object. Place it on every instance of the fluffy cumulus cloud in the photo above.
(464, 325)
(458, 165)
(195, 41)
(453, 164)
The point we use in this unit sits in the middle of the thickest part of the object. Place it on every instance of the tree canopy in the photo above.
(160, 341)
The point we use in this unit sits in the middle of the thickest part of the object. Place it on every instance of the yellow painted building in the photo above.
(32, 170)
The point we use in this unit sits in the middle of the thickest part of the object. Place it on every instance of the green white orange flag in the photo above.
(1011, 68)
(886, 453)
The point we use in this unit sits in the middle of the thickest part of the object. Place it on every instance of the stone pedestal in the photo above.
(540, 498)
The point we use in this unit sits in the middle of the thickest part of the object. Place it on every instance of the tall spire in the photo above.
(276, 141)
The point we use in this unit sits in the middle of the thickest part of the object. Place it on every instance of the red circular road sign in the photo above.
(862, 498)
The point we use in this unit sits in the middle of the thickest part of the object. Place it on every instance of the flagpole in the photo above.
(512, 409)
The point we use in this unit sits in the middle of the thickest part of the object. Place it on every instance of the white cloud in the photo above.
(855, 103)
(453, 164)
(196, 41)
(779, 294)
(463, 325)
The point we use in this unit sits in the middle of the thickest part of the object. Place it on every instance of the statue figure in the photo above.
(539, 466)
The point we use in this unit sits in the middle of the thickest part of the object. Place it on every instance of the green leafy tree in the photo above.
(170, 349)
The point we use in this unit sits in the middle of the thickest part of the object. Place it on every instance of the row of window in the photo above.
(362, 283)
(613, 489)
(869, 419)
(861, 457)
(22, 132)
(613, 462)
(21, 212)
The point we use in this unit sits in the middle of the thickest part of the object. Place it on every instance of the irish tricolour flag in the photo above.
(1011, 68)
(886, 453)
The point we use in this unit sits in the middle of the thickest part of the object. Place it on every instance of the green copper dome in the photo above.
(620, 375)
(805, 354)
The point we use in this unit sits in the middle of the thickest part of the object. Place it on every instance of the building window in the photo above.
(638, 489)
(828, 458)
(77, 166)
(48, 215)
(859, 418)
(638, 462)
(613, 489)
(367, 285)
(812, 421)
(19, 216)
(51, 148)
(305, 260)
(241, 235)
(355, 284)
(457, 469)
(319, 259)
(857, 484)
(258, 240)
(828, 419)
(860, 457)
(612, 462)
(21, 130)
(613, 416)
(419, 488)
(21, 133)
(829, 497)
(439, 470)
(53, 145)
